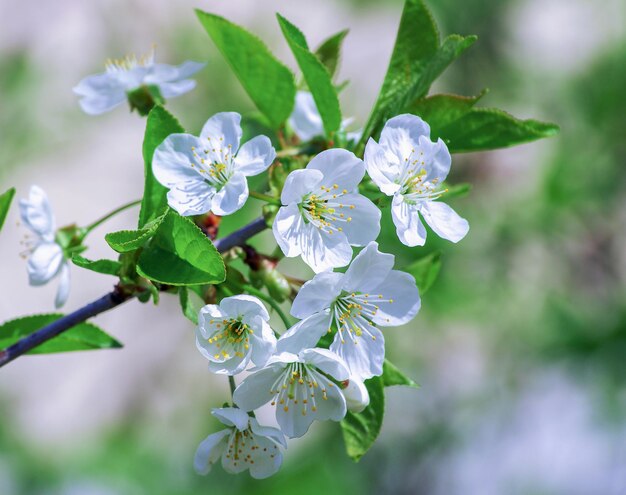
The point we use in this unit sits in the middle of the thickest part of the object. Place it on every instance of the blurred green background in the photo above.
(520, 346)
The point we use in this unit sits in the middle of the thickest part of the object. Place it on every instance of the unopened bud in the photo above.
(356, 394)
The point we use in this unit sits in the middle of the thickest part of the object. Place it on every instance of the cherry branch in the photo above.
(110, 301)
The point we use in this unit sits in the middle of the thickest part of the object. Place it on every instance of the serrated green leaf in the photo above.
(124, 241)
(268, 82)
(186, 304)
(360, 430)
(107, 267)
(490, 128)
(316, 76)
(443, 109)
(82, 337)
(329, 52)
(180, 254)
(5, 204)
(425, 270)
(393, 376)
(159, 124)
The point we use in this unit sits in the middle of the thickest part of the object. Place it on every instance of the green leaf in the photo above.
(393, 376)
(490, 128)
(124, 241)
(5, 203)
(186, 304)
(159, 125)
(425, 270)
(268, 82)
(443, 109)
(107, 267)
(316, 75)
(180, 254)
(417, 60)
(360, 430)
(82, 337)
(329, 52)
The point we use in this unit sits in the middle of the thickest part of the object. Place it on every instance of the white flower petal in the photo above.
(36, 213)
(232, 416)
(364, 354)
(209, 451)
(254, 390)
(264, 345)
(244, 305)
(444, 221)
(172, 160)
(255, 156)
(63, 291)
(300, 183)
(401, 135)
(368, 270)
(193, 198)
(364, 225)
(232, 196)
(340, 167)
(224, 130)
(44, 263)
(323, 251)
(287, 228)
(267, 431)
(437, 158)
(400, 287)
(176, 88)
(304, 334)
(305, 119)
(382, 167)
(409, 228)
(317, 294)
(100, 93)
(267, 458)
(327, 361)
(231, 366)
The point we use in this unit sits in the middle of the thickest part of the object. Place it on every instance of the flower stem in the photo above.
(233, 385)
(265, 197)
(103, 219)
(271, 302)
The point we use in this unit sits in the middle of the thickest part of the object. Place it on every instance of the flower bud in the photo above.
(356, 394)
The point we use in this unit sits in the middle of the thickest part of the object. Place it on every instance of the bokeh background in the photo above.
(520, 348)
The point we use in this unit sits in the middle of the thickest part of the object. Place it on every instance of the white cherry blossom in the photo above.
(243, 445)
(323, 213)
(354, 304)
(209, 173)
(46, 259)
(298, 386)
(234, 333)
(102, 92)
(407, 165)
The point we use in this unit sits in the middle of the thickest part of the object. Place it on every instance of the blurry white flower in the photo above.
(208, 173)
(233, 333)
(368, 295)
(103, 92)
(45, 256)
(306, 121)
(410, 167)
(243, 445)
(324, 214)
(296, 383)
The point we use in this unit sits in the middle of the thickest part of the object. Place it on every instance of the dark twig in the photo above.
(109, 301)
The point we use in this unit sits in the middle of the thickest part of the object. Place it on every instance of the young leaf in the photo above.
(425, 270)
(316, 76)
(124, 241)
(360, 430)
(159, 125)
(393, 376)
(180, 254)
(82, 337)
(5, 203)
(107, 267)
(329, 52)
(186, 304)
(268, 82)
(490, 128)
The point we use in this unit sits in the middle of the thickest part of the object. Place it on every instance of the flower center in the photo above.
(300, 386)
(325, 211)
(415, 187)
(352, 314)
(129, 62)
(243, 445)
(214, 162)
(232, 338)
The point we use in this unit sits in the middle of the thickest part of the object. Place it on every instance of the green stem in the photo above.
(233, 385)
(265, 197)
(271, 302)
(103, 219)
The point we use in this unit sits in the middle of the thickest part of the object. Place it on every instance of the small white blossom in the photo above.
(410, 167)
(297, 385)
(208, 173)
(234, 333)
(243, 445)
(306, 121)
(323, 213)
(103, 92)
(355, 303)
(46, 259)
